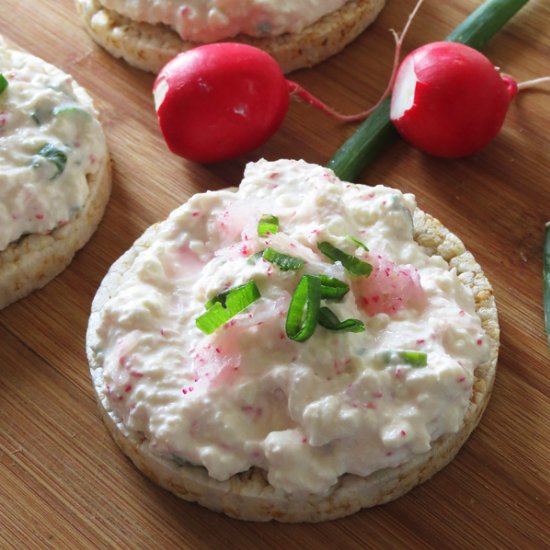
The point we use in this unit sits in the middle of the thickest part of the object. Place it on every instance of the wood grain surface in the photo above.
(64, 483)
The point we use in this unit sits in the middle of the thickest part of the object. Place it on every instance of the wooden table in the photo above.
(64, 483)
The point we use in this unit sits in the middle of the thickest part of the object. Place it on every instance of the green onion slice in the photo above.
(329, 320)
(3, 83)
(268, 225)
(353, 265)
(283, 261)
(69, 109)
(415, 359)
(546, 280)
(54, 155)
(226, 305)
(332, 288)
(303, 312)
(255, 257)
(358, 243)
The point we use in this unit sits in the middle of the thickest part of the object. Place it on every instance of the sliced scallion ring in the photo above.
(255, 257)
(226, 305)
(3, 83)
(329, 320)
(332, 288)
(54, 155)
(353, 265)
(70, 109)
(546, 280)
(268, 225)
(283, 261)
(415, 359)
(358, 243)
(303, 311)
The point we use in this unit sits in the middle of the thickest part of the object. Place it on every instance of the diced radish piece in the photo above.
(389, 288)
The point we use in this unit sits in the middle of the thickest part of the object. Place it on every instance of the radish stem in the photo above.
(377, 132)
(297, 91)
(534, 82)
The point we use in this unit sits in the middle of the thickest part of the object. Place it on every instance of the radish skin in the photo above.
(449, 100)
(218, 101)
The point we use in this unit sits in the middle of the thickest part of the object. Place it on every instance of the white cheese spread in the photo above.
(50, 140)
(211, 20)
(247, 395)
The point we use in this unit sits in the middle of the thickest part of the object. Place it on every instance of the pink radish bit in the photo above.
(389, 288)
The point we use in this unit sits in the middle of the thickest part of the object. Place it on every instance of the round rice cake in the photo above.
(55, 179)
(150, 46)
(255, 493)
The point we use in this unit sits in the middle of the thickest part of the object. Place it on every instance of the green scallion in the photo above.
(358, 243)
(303, 311)
(329, 320)
(268, 225)
(69, 109)
(283, 261)
(546, 279)
(351, 264)
(415, 359)
(377, 131)
(226, 305)
(53, 155)
(3, 83)
(332, 288)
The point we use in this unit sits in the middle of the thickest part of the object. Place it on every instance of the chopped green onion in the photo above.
(54, 155)
(332, 288)
(70, 110)
(226, 305)
(221, 298)
(415, 359)
(358, 243)
(268, 225)
(546, 272)
(303, 312)
(329, 320)
(482, 24)
(283, 261)
(377, 131)
(255, 257)
(353, 265)
(3, 83)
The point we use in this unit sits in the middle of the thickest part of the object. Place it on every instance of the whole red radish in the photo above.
(219, 101)
(449, 100)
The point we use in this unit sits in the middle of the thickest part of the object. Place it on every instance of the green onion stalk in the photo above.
(546, 280)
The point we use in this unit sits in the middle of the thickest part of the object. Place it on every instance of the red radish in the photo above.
(219, 101)
(449, 100)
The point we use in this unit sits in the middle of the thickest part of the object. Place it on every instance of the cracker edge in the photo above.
(149, 47)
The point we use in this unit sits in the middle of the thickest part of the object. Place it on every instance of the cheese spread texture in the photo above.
(211, 20)
(247, 395)
(50, 140)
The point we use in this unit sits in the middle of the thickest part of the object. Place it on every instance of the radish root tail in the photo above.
(296, 90)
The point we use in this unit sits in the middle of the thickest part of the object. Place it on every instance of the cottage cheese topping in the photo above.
(247, 395)
(210, 20)
(49, 141)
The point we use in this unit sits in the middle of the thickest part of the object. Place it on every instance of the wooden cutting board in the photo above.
(64, 483)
